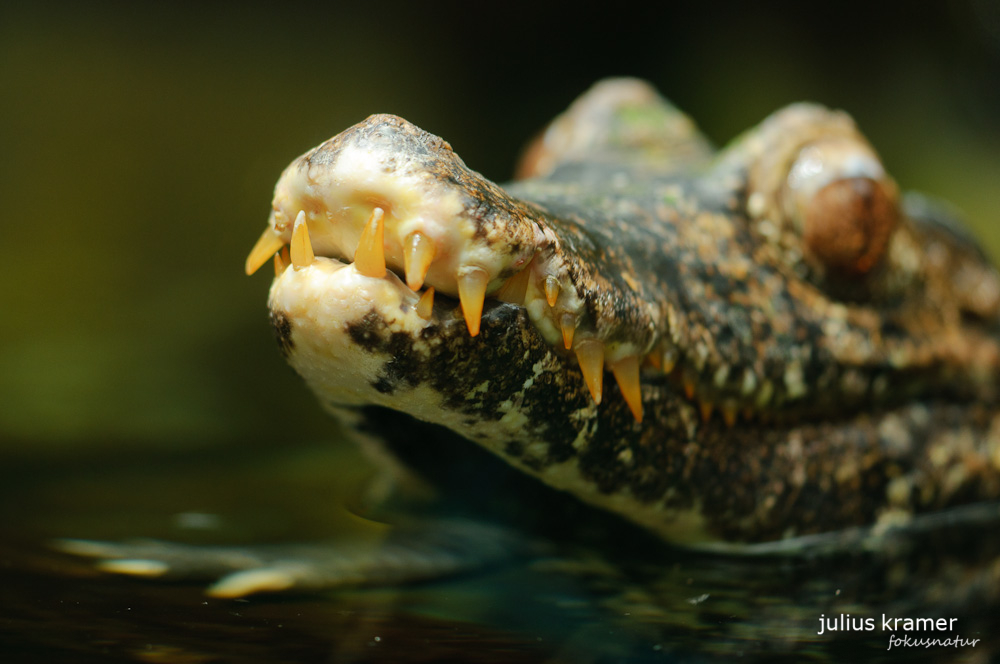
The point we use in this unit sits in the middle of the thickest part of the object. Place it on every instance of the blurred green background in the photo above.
(139, 146)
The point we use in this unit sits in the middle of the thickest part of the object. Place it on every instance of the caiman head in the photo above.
(754, 307)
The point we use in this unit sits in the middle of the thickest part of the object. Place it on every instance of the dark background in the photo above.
(139, 146)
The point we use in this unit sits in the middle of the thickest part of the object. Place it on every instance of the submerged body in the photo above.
(795, 349)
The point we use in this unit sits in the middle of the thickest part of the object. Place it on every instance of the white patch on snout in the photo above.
(320, 302)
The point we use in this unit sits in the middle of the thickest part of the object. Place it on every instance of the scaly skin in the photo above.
(814, 353)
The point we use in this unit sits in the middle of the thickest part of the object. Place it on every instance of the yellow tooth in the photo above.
(515, 288)
(302, 251)
(551, 290)
(418, 252)
(706, 411)
(655, 360)
(268, 243)
(369, 259)
(729, 413)
(568, 325)
(280, 265)
(669, 361)
(626, 372)
(472, 284)
(425, 305)
(590, 355)
(689, 389)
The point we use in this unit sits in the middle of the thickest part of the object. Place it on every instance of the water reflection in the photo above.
(642, 602)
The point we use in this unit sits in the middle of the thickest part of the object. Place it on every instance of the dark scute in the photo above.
(366, 332)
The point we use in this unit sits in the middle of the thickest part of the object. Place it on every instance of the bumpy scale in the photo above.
(783, 279)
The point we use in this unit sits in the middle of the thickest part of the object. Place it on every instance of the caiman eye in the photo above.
(817, 193)
(842, 203)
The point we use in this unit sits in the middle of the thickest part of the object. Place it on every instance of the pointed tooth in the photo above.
(472, 284)
(690, 379)
(302, 252)
(268, 243)
(590, 355)
(425, 305)
(515, 288)
(669, 359)
(729, 413)
(279, 264)
(626, 372)
(568, 325)
(418, 252)
(551, 290)
(689, 388)
(369, 259)
(655, 360)
(706, 411)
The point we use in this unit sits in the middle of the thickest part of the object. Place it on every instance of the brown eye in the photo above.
(848, 224)
(844, 204)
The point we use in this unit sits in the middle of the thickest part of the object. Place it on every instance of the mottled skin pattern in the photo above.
(753, 481)
(865, 380)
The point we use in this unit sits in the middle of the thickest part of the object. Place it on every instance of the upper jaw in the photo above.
(433, 227)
